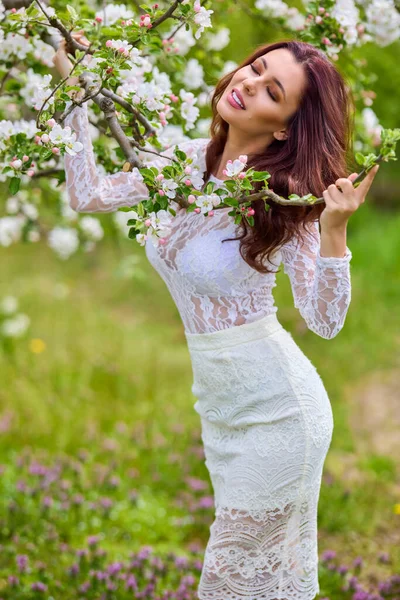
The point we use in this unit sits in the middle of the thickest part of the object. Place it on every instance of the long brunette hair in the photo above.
(317, 152)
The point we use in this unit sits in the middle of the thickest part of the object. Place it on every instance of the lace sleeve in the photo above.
(89, 191)
(320, 285)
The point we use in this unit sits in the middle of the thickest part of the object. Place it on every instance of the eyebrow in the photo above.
(274, 78)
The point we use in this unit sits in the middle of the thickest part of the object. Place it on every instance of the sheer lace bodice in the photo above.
(212, 286)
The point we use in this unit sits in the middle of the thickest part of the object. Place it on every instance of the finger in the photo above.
(367, 182)
(345, 185)
(353, 176)
(335, 194)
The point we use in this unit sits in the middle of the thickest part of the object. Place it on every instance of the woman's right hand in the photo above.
(61, 60)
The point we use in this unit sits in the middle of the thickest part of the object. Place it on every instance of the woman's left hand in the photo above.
(340, 205)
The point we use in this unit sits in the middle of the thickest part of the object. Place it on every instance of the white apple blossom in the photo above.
(9, 305)
(188, 111)
(72, 146)
(383, 21)
(207, 202)
(11, 229)
(183, 39)
(12, 205)
(92, 228)
(64, 241)
(168, 186)
(347, 14)
(30, 210)
(113, 12)
(234, 168)
(228, 67)
(219, 40)
(202, 18)
(193, 75)
(16, 326)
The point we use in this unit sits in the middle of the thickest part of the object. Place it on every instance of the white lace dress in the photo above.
(265, 415)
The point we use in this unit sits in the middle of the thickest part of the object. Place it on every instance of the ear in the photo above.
(280, 135)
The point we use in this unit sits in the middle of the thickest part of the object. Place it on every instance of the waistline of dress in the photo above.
(238, 334)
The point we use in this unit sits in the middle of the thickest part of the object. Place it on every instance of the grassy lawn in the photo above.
(98, 436)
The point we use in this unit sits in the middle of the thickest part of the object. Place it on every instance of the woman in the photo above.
(265, 414)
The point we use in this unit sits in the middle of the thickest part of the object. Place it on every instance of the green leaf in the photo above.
(250, 220)
(360, 158)
(238, 219)
(72, 12)
(260, 175)
(132, 233)
(14, 185)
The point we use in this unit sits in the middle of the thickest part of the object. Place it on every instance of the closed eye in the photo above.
(268, 90)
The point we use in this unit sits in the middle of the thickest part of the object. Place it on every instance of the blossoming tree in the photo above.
(145, 95)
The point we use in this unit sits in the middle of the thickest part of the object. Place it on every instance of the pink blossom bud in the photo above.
(229, 162)
(13, 10)
(155, 6)
(326, 41)
(243, 158)
(188, 182)
(188, 170)
(318, 19)
(16, 164)
(31, 172)
(191, 199)
(197, 210)
(210, 213)
(327, 14)
(176, 49)
(168, 49)
(32, 164)
(15, 157)
(174, 98)
(172, 40)
(25, 158)
(99, 19)
(109, 43)
(162, 115)
(162, 241)
(121, 50)
(129, 22)
(45, 138)
(341, 30)
(38, 140)
(147, 222)
(123, 23)
(161, 192)
(165, 42)
(142, 17)
(321, 10)
(147, 21)
(197, 8)
(51, 122)
(55, 150)
(160, 177)
(242, 175)
(251, 212)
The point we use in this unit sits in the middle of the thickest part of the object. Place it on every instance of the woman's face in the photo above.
(271, 94)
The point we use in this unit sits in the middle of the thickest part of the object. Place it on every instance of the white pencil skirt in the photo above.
(266, 425)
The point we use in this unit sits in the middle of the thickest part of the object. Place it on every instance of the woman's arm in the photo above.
(90, 192)
(87, 190)
(320, 285)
